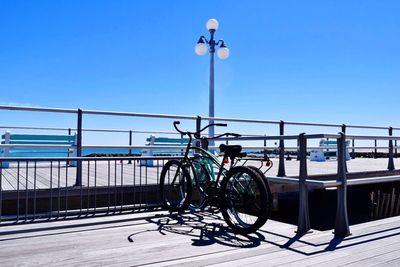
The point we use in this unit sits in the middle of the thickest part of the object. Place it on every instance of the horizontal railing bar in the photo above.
(299, 123)
(135, 146)
(96, 112)
(311, 182)
(370, 127)
(134, 114)
(334, 183)
(11, 159)
(149, 115)
(308, 148)
(368, 137)
(317, 136)
(382, 179)
(38, 109)
(370, 147)
(258, 138)
(36, 128)
(240, 120)
(98, 130)
(91, 146)
(323, 184)
(287, 180)
(180, 147)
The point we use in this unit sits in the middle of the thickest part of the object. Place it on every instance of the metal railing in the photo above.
(342, 223)
(45, 188)
(28, 168)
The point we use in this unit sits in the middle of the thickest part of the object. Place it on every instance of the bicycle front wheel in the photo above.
(201, 180)
(175, 186)
(245, 201)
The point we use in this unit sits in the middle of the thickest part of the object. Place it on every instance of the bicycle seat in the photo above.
(232, 151)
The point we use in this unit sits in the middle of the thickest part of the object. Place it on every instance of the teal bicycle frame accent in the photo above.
(210, 162)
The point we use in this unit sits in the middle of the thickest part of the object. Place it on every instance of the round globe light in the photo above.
(200, 49)
(223, 53)
(212, 24)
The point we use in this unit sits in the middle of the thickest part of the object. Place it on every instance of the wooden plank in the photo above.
(160, 239)
(8, 181)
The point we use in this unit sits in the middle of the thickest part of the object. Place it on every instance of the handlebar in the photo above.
(197, 134)
(227, 135)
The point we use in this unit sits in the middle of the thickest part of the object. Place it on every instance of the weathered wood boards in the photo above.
(160, 239)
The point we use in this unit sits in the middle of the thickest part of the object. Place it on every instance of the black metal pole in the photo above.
(342, 228)
(391, 162)
(198, 123)
(303, 223)
(69, 133)
(130, 144)
(345, 147)
(211, 93)
(265, 145)
(78, 181)
(198, 128)
(281, 168)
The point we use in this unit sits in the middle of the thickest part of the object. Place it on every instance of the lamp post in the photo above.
(201, 48)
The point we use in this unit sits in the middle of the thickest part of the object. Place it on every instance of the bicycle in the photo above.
(202, 179)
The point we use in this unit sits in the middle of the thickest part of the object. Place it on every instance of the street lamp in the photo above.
(201, 48)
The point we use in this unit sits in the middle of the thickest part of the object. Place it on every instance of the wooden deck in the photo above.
(115, 173)
(160, 239)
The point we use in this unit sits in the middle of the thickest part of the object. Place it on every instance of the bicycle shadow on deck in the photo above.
(204, 228)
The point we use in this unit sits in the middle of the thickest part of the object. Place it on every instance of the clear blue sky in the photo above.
(318, 61)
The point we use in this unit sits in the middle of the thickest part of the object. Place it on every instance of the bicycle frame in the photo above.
(209, 160)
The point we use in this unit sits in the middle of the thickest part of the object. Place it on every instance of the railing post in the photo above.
(130, 144)
(375, 149)
(198, 128)
(281, 168)
(391, 162)
(353, 150)
(345, 146)
(298, 149)
(198, 123)
(265, 145)
(78, 181)
(342, 221)
(6, 151)
(303, 224)
(395, 149)
(69, 150)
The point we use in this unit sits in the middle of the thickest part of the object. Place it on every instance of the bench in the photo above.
(326, 150)
(163, 141)
(67, 145)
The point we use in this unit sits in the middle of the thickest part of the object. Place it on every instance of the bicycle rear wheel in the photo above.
(175, 186)
(269, 193)
(244, 199)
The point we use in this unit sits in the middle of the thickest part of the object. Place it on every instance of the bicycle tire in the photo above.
(200, 182)
(269, 193)
(175, 195)
(244, 198)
